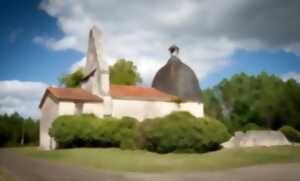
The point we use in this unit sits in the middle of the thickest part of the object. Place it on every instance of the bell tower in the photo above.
(96, 72)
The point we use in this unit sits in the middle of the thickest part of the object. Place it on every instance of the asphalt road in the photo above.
(24, 168)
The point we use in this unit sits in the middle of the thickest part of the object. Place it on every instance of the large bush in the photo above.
(89, 131)
(73, 131)
(112, 132)
(182, 132)
(213, 133)
(178, 131)
(291, 133)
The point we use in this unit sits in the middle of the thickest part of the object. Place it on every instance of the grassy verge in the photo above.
(143, 161)
(4, 176)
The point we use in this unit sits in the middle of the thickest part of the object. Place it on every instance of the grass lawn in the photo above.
(114, 159)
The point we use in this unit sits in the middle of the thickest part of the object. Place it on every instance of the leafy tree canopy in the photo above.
(123, 72)
(265, 100)
(72, 79)
(14, 128)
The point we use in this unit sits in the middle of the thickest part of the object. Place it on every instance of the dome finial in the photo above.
(174, 50)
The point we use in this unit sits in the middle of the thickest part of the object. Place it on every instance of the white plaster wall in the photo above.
(121, 108)
(104, 83)
(66, 108)
(93, 108)
(49, 112)
(154, 109)
(194, 108)
(107, 105)
(150, 109)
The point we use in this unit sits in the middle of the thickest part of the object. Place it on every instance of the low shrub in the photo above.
(291, 133)
(89, 131)
(73, 131)
(112, 132)
(178, 131)
(213, 133)
(182, 132)
(128, 134)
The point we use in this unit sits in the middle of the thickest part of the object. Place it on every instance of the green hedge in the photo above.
(112, 132)
(178, 131)
(214, 133)
(89, 131)
(182, 132)
(291, 133)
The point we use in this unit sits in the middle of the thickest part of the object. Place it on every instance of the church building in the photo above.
(175, 87)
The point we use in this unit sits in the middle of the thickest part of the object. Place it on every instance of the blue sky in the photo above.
(40, 40)
(21, 58)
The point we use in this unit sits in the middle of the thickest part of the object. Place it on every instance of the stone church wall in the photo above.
(93, 108)
(141, 109)
(67, 108)
(194, 108)
(50, 111)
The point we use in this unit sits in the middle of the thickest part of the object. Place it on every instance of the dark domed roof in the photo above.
(177, 78)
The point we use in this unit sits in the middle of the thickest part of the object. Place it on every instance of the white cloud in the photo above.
(294, 48)
(79, 64)
(207, 31)
(62, 44)
(21, 96)
(291, 75)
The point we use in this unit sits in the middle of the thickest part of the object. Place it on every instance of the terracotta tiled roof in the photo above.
(116, 91)
(139, 93)
(70, 94)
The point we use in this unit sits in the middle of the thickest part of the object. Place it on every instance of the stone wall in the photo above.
(256, 138)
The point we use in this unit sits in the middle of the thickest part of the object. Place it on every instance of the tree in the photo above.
(13, 127)
(264, 100)
(72, 79)
(212, 104)
(124, 72)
